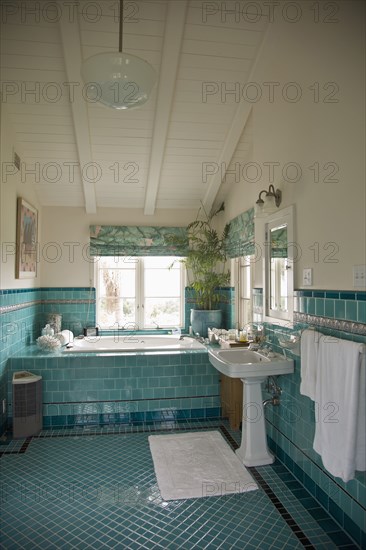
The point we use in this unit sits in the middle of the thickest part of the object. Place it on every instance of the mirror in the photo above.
(278, 266)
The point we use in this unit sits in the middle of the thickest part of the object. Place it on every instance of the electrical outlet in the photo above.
(359, 276)
(307, 276)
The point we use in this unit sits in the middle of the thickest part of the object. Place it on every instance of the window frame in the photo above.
(139, 313)
(240, 267)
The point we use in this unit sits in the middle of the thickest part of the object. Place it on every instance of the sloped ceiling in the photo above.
(171, 153)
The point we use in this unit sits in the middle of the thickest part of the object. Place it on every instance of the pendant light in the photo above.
(118, 80)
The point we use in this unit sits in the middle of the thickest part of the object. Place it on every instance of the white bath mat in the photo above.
(197, 464)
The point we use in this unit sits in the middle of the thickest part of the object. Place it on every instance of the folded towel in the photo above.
(309, 359)
(338, 420)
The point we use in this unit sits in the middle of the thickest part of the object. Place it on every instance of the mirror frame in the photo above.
(284, 216)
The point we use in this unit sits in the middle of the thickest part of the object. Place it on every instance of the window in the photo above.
(139, 292)
(243, 274)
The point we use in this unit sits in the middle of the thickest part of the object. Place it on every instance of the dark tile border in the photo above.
(323, 519)
(273, 498)
(335, 294)
(325, 508)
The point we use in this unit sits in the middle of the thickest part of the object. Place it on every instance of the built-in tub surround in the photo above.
(291, 426)
(20, 312)
(23, 313)
(132, 343)
(84, 388)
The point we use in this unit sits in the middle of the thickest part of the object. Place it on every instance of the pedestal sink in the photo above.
(252, 368)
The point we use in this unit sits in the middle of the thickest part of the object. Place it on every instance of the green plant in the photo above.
(205, 260)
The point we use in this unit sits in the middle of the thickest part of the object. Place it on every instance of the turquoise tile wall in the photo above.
(291, 426)
(76, 305)
(114, 388)
(342, 305)
(23, 313)
(19, 310)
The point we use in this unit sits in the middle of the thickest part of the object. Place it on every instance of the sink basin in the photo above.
(253, 368)
(249, 364)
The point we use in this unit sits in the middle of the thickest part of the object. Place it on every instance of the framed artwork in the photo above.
(26, 244)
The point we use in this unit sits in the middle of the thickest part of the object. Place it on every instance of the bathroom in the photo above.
(299, 126)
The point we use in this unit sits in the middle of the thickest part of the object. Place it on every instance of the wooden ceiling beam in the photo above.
(71, 44)
(173, 37)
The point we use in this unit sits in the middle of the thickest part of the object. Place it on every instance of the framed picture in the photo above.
(26, 245)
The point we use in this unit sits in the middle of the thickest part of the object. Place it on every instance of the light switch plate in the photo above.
(359, 276)
(307, 276)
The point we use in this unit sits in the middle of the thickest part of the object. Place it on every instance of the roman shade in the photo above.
(120, 240)
(240, 240)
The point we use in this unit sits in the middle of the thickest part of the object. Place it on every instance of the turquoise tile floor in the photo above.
(96, 488)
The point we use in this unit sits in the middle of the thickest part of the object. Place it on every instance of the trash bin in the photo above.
(27, 404)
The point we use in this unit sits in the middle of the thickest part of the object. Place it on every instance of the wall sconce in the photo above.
(272, 199)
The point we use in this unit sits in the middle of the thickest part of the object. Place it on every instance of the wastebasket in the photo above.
(27, 404)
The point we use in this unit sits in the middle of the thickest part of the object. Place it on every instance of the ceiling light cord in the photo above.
(120, 25)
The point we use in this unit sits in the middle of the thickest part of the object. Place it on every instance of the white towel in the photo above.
(337, 413)
(309, 360)
(361, 419)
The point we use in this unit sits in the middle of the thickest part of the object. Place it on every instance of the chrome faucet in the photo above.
(157, 326)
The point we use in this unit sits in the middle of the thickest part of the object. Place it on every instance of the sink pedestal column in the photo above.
(253, 450)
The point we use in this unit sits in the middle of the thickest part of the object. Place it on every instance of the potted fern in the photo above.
(207, 272)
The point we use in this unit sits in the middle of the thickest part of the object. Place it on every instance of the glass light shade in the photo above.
(269, 204)
(118, 80)
(267, 207)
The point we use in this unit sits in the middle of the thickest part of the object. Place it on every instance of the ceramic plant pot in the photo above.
(202, 319)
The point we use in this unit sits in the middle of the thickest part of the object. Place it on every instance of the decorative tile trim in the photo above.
(23, 305)
(334, 324)
(16, 307)
(38, 289)
(87, 301)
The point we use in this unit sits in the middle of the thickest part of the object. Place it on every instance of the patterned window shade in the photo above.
(115, 240)
(279, 243)
(240, 240)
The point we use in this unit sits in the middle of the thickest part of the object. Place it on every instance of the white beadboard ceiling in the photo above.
(150, 158)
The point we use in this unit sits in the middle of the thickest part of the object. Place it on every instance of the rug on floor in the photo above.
(196, 465)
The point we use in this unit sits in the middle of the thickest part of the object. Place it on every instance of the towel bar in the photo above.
(312, 327)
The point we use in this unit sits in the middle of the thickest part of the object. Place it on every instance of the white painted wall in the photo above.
(304, 132)
(65, 239)
(10, 188)
(313, 131)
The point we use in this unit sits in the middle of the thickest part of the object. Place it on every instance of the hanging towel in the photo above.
(361, 419)
(309, 359)
(337, 413)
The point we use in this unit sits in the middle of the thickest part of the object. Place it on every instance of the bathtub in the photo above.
(98, 344)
